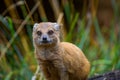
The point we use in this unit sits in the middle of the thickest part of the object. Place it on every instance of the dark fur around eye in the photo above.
(39, 33)
(50, 32)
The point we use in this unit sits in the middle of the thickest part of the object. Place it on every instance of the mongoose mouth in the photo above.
(46, 42)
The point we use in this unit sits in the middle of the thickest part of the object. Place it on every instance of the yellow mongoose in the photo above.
(58, 60)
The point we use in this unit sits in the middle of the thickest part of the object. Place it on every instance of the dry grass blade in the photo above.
(19, 29)
(59, 20)
(28, 10)
(56, 7)
(13, 6)
(94, 6)
(19, 21)
(41, 11)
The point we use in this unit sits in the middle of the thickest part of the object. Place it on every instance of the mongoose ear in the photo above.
(35, 26)
(56, 26)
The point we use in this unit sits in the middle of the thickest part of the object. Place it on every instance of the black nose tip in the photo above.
(44, 39)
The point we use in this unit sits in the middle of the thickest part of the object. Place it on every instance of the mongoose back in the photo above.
(58, 60)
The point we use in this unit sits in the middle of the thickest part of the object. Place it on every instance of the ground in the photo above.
(113, 75)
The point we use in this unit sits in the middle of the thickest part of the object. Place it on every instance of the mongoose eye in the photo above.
(50, 32)
(39, 32)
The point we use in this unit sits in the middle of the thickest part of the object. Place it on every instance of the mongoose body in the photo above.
(58, 60)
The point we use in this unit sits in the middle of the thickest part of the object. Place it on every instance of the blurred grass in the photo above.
(103, 51)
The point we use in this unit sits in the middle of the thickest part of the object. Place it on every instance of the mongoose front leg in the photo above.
(61, 70)
(63, 74)
(45, 72)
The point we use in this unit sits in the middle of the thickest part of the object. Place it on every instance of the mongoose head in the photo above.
(46, 34)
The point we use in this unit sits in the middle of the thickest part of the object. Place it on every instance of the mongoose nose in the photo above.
(44, 38)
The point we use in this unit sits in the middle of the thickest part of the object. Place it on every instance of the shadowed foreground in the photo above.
(114, 75)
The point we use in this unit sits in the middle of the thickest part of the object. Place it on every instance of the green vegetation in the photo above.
(100, 43)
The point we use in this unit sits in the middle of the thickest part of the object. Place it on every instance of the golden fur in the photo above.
(59, 60)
